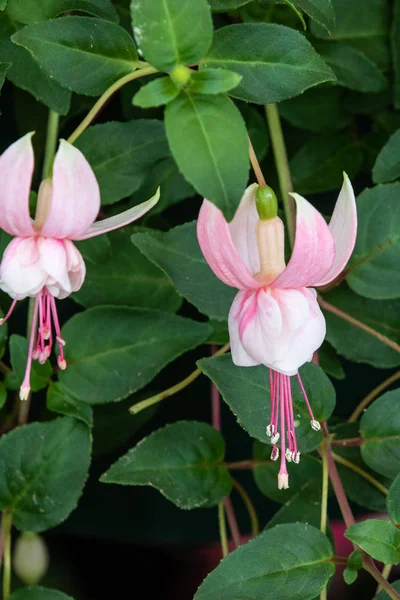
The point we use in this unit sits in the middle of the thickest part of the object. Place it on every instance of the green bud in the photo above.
(355, 560)
(266, 203)
(181, 75)
(30, 558)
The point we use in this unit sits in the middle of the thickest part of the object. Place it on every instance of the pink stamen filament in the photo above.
(282, 469)
(305, 396)
(26, 382)
(4, 319)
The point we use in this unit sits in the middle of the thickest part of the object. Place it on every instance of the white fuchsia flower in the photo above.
(275, 319)
(42, 261)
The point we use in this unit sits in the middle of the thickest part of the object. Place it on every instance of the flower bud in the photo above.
(30, 558)
(181, 75)
(266, 203)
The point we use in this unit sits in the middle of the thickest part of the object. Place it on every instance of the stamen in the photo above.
(275, 453)
(4, 319)
(62, 363)
(315, 425)
(306, 398)
(26, 386)
(283, 477)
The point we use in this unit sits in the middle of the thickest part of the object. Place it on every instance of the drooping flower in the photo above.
(41, 261)
(275, 319)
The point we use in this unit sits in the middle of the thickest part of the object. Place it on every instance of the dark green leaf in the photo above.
(349, 575)
(355, 560)
(393, 501)
(156, 93)
(319, 109)
(182, 461)
(43, 469)
(83, 54)
(321, 11)
(304, 506)
(387, 166)
(121, 154)
(172, 32)
(222, 5)
(40, 374)
(380, 539)
(396, 52)
(358, 345)
(127, 278)
(177, 252)
(213, 81)
(380, 429)
(384, 595)
(60, 402)
(3, 394)
(33, 11)
(256, 128)
(26, 74)
(329, 362)
(319, 164)
(363, 25)
(374, 268)
(108, 350)
(38, 593)
(353, 69)
(96, 250)
(3, 70)
(276, 62)
(246, 391)
(287, 561)
(208, 139)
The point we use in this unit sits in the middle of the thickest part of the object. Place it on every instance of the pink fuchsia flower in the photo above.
(275, 319)
(42, 261)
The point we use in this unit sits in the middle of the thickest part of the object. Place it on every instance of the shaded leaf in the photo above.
(387, 165)
(393, 501)
(34, 11)
(58, 401)
(319, 109)
(38, 593)
(395, 39)
(40, 374)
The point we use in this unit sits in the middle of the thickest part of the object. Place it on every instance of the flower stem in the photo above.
(339, 313)
(51, 142)
(360, 471)
(139, 406)
(255, 525)
(222, 529)
(106, 96)
(372, 395)
(325, 484)
(282, 166)
(6, 530)
(256, 165)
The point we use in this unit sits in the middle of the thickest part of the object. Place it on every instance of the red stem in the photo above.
(233, 526)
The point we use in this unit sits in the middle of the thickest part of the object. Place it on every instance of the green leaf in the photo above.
(353, 69)
(304, 506)
(109, 362)
(358, 345)
(374, 267)
(40, 374)
(256, 128)
(355, 560)
(213, 81)
(306, 473)
(329, 362)
(96, 250)
(34, 11)
(182, 461)
(287, 561)
(121, 154)
(60, 402)
(178, 254)
(246, 391)
(387, 165)
(321, 11)
(384, 595)
(127, 278)
(380, 430)
(3, 394)
(156, 93)
(208, 139)
(172, 32)
(3, 70)
(43, 469)
(222, 5)
(393, 501)
(174, 187)
(319, 109)
(26, 74)
(380, 539)
(276, 62)
(38, 593)
(83, 54)
(350, 575)
(319, 164)
(395, 39)
(362, 25)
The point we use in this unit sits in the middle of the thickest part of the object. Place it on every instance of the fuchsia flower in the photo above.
(275, 319)
(42, 261)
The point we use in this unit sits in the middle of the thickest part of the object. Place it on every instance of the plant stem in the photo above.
(385, 574)
(222, 529)
(372, 395)
(256, 165)
(360, 471)
(51, 142)
(372, 569)
(6, 530)
(339, 313)
(255, 526)
(282, 166)
(325, 484)
(348, 443)
(139, 406)
(106, 96)
(233, 526)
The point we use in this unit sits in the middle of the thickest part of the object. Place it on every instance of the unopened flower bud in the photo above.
(30, 558)
(266, 203)
(180, 75)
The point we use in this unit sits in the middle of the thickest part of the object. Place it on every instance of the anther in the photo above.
(289, 455)
(275, 453)
(315, 425)
(275, 438)
(296, 457)
(62, 363)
